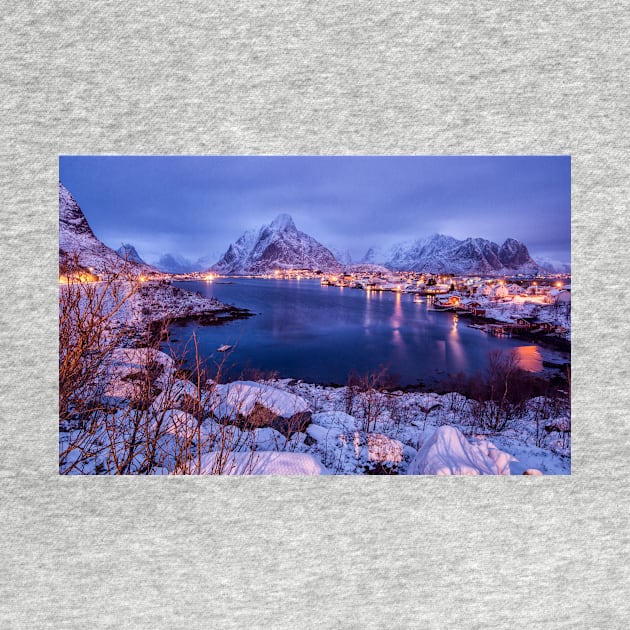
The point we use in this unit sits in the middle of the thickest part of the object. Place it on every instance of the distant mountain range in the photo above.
(172, 263)
(439, 253)
(279, 245)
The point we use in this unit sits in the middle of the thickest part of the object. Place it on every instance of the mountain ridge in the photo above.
(440, 253)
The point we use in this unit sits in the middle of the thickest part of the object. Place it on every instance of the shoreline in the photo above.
(159, 329)
(552, 366)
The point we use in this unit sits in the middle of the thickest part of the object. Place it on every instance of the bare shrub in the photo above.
(133, 417)
(366, 396)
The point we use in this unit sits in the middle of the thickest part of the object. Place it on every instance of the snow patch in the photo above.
(262, 463)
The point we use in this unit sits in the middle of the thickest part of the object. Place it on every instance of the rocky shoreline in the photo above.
(159, 329)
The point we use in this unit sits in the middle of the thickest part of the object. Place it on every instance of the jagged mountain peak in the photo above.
(79, 247)
(283, 222)
(278, 245)
(128, 252)
(71, 217)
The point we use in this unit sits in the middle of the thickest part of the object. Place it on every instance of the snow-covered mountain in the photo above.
(342, 256)
(553, 266)
(174, 263)
(128, 252)
(79, 246)
(279, 245)
(374, 256)
(439, 253)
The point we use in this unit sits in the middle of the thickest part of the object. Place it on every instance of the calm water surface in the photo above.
(320, 334)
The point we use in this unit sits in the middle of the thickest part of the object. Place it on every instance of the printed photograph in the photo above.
(314, 315)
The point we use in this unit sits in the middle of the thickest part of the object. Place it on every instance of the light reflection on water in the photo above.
(455, 344)
(321, 334)
(529, 358)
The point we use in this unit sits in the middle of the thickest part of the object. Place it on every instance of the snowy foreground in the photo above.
(150, 420)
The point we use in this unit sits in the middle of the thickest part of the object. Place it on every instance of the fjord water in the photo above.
(321, 334)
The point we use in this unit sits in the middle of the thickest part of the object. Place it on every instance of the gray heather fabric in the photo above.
(327, 77)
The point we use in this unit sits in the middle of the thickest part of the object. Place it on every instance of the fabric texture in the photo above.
(316, 78)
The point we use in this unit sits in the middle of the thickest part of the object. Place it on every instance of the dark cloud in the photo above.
(195, 206)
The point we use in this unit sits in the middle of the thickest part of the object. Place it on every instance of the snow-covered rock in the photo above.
(448, 452)
(296, 442)
(279, 245)
(239, 398)
(261, 463)
(268, 439)
(129, 371)
(326, 437)
(336, 420)
(132, 359)
(350, 451)
(384, 449)
(500, 458)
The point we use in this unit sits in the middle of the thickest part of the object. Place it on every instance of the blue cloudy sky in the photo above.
(195, 206)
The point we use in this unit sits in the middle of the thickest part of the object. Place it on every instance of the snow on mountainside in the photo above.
(128, 252)
(77, 242)
(279, 245)
(554, 266)
(444, 254)
(342, 256)
(374, 256)
(174, 263)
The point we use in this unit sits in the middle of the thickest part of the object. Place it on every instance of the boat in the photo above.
(224, 348)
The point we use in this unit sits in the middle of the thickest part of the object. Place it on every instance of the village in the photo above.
(538, 307)
(518, 305)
